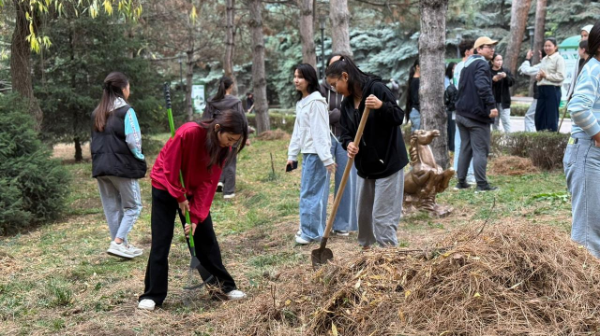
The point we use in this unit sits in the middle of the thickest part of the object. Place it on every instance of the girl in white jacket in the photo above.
(311, 138)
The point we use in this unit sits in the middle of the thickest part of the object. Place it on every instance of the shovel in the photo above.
(322, 255)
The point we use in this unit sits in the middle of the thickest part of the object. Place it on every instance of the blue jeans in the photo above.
(415, 120)
(582, 170)
(470, 173)
(314, 190)
(345, 219)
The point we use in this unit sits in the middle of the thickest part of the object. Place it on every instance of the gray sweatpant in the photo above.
(379, 209)
(228, 174)
(475, 144)
(122, 203)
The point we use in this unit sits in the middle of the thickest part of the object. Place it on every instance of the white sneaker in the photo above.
(235, 295)
(302, 241)
(220, 187)
(342, 233)
(120, 250)
(299, 233)
(146, 304)
(135, 251)
(229, 196)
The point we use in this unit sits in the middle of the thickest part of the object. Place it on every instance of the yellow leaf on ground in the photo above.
(477, 295)
(334, 329)
(406, 294)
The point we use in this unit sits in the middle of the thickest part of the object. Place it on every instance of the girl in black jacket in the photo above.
(381, 154)
(450, 96)
(502, 80)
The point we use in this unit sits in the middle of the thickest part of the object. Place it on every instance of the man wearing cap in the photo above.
(475, 112)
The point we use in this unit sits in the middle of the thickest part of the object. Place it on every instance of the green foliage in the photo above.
(545, 149)
(33, 187)
(84, 52)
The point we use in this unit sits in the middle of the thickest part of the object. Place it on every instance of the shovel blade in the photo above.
(321, 256)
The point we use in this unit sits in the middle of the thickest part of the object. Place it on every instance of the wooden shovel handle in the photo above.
(338, 197)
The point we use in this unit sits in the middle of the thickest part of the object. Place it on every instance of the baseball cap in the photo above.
(483, 41)
(587, 28)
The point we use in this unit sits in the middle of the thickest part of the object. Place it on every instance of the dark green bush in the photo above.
(545, 149)
(32, 185)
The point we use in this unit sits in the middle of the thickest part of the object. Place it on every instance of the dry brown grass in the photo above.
(66, 152)
(274, 135)
(512, 166)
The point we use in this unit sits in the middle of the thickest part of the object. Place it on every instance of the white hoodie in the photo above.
(311, 129)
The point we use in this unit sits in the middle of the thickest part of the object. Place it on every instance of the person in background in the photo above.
(197, 152)
(345, 219)
(380, 157)
(502, 80)
(222, 101)
(311, 138)
(395, 88)
(549, 81)
(412, 100)
(585, 32)
(528, 70)
(450, 96)
(249, 102)
(582, 156)
(583, 56)
(475, 112)
(118, 162)
(466, 50)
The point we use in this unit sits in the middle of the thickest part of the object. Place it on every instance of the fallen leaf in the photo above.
(477, 295)
(357, 284)
(406, 294)
(334, 329)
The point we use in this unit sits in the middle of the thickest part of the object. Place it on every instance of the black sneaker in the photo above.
(462, 186)
(486, 188)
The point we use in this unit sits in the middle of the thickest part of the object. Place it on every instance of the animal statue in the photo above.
(426, 178)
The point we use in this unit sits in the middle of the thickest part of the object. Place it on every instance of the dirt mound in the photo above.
(513, 166)
(509, 280)
(277, 134)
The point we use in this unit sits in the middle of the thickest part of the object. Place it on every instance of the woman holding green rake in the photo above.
(199, 150)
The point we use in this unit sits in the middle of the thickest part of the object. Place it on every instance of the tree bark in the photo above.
(230, 44)
(259, 81)
(340, 18)
(539, 35)
(518, 23)
(20, 62)
(189, 74)
(431, 90)
(309, 54)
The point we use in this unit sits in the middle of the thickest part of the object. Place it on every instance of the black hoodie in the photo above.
(381, 151)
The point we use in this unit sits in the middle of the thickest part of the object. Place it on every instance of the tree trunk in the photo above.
(538, 40)
(518, 23)
(259, 81)
(20, 62)
(189, 74)
(340, 17)
(230, 44)
(431, 90)
(309, 54)
(78, 151)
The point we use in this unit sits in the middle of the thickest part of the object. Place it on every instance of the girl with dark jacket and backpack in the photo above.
(502, 80)
(381, 155)
(118, 162)
(450, 97)
(199, 150)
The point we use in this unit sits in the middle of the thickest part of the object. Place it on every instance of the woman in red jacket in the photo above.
(199, 150)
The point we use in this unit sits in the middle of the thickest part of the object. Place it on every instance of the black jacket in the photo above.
(450, 96)
(110, 154)
(334, 101)
(381, 151)
(501, 88)
(475, 96)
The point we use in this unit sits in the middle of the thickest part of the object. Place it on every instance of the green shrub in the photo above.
(545, 149)
(32, 185)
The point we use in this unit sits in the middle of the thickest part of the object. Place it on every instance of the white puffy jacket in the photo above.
(311, 129)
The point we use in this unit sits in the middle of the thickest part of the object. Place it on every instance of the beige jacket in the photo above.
(554, 67)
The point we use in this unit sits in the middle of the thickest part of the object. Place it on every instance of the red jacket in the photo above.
(187, 151)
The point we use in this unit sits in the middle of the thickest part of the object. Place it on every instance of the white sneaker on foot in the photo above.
(146, 304)
(299, 233)
(302, 241)
(342, 233)
(235, 295)
(229, 196)
(120, 250)
(135, 251)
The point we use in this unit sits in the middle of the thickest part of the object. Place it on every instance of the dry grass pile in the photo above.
(513, 166)
(509, 280)
(277, 134)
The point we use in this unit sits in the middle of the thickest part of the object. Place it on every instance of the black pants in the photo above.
(451, 131)
(164, 208)
(546, 112)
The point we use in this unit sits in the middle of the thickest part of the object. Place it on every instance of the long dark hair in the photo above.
(112, 88)
(411, 74)
(450, 71)
(230, 121)
(356, 78)
(224, 84)
(310, 76)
